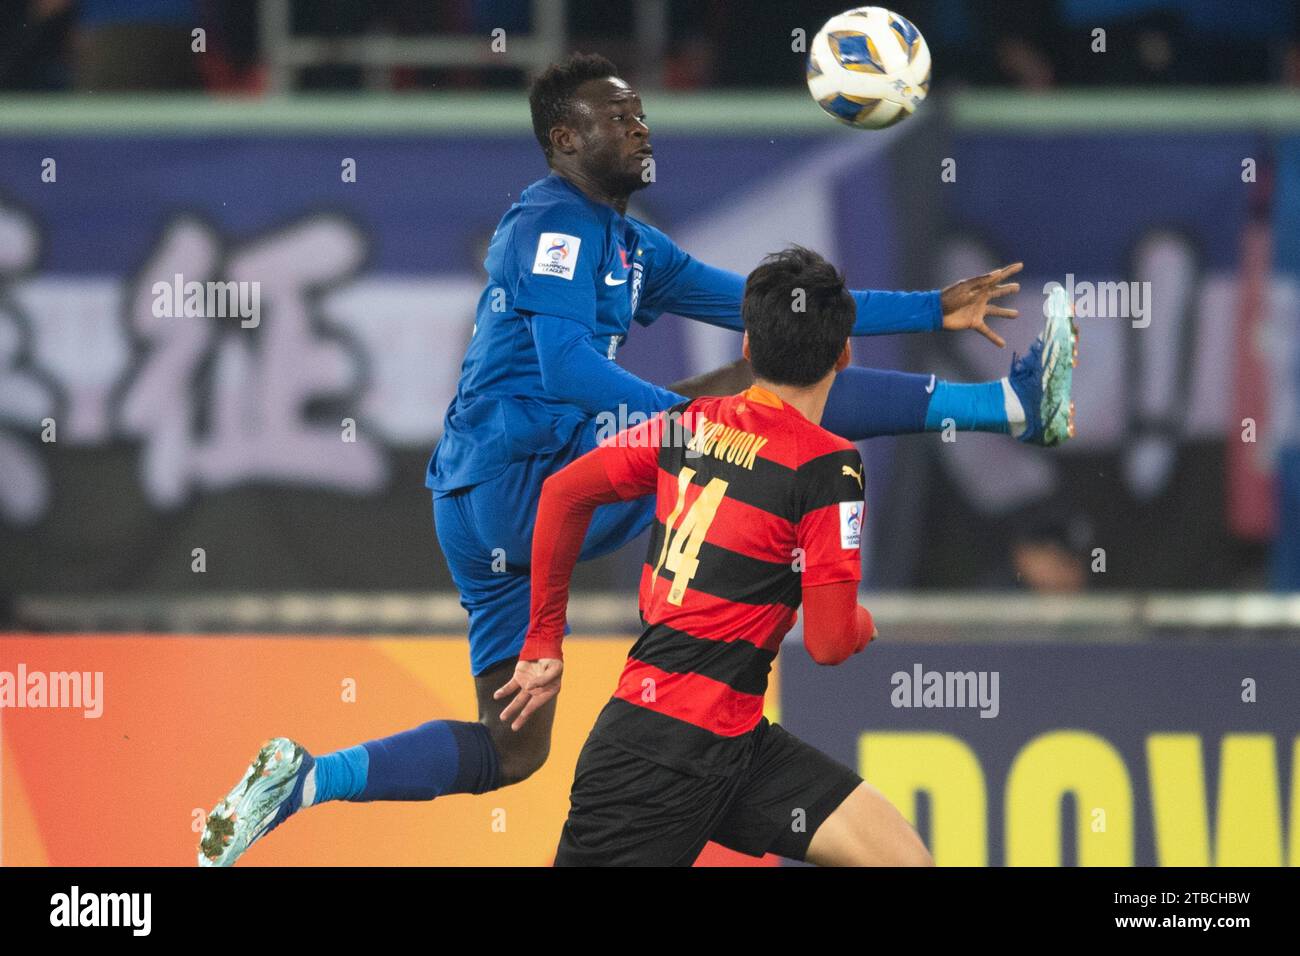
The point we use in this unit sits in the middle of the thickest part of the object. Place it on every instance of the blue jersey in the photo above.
(561, 265)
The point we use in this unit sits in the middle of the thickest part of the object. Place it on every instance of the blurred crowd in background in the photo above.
(113, 45)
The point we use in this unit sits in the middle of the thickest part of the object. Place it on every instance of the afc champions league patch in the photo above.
(851, 524)
(557, 254)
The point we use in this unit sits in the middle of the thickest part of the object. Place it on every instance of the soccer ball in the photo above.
(869, 68)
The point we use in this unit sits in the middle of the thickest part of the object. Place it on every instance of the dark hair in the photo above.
(550, 97)
(798, 312)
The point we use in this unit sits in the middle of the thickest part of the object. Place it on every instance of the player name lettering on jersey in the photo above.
(725, 443)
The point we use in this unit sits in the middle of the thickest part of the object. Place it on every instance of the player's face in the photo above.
(615, 140)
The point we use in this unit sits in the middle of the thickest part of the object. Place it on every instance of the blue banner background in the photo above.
(1122, 693)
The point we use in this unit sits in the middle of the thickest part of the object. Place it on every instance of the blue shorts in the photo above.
(491, 525)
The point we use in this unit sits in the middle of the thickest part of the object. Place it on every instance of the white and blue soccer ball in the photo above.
(869, 68)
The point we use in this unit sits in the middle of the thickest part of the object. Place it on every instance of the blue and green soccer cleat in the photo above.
(1043, 378)
(267, 795)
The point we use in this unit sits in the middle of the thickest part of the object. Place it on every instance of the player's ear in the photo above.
(846, 357)
(568, 136)
(564, 139)
(744, 347)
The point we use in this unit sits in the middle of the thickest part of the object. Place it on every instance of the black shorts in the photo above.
(627, 810)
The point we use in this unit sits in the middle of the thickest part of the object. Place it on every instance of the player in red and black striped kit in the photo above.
(758, 510)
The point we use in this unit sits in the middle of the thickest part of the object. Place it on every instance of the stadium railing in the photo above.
(929, 615)
(1263, 111)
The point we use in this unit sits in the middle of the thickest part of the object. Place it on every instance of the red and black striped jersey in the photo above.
(754, 503)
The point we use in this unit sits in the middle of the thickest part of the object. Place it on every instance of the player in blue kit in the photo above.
(568, 273)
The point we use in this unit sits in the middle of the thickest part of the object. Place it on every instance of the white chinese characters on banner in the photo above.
(211, 402)
(25, 400)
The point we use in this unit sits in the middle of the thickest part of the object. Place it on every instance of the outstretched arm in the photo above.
(709, 294)
(625, 468)
(573, 371)
(684, 285)
(569, 498)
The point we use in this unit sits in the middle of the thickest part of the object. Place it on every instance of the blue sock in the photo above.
(980, 407)
(432, 760)
(341, 775)
(867, 403)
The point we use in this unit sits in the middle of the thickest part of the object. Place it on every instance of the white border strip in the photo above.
(412, 612)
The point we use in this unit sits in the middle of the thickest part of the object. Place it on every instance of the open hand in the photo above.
(533, 684)
(965, 304)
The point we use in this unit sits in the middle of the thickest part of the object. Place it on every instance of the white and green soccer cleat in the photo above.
(1043, 378)
(267, 795)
